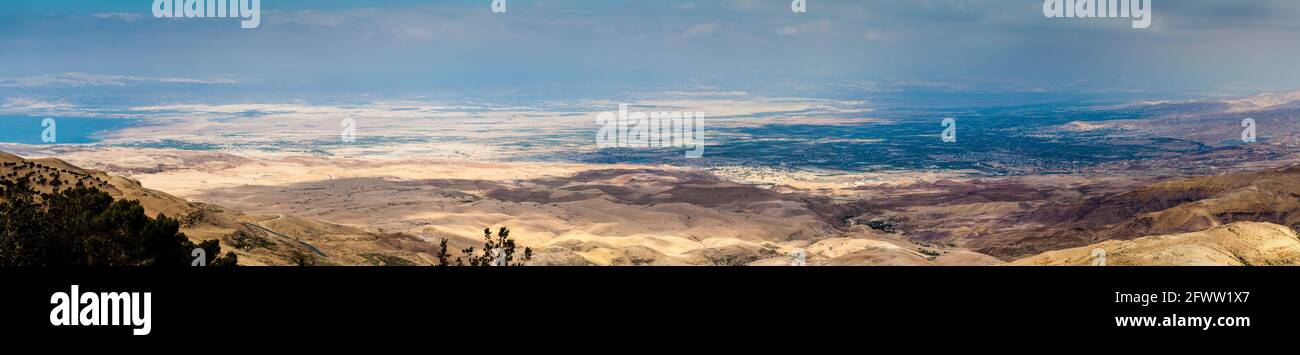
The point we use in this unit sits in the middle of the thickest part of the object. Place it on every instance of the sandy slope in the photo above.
(257, 240)
(386, 211)
(570, 214)
(1237, 244)
(153, 201)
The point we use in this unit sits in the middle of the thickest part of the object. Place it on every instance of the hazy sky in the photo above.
(560, 49)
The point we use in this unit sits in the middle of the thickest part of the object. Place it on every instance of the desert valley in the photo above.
(1227, 204)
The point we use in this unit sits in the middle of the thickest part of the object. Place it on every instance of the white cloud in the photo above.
(84, 80)
(699, 30)
(121, 16)
(705, 93)
(806, 28)
(875, 35)
(415, 33)
(413, 25)
(23, 104)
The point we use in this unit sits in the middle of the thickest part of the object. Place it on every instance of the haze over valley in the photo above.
(925, 133)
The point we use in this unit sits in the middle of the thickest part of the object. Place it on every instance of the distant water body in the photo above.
(69, 130)
(991, 138)
(994, 140)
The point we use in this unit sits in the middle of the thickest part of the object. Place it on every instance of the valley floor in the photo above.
(274, 208)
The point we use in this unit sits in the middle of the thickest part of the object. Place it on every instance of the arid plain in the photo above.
(1229, 204)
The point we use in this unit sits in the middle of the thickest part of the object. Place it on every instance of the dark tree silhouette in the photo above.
(86, 227)
(443, 254)
(300, 258)
(501, 247)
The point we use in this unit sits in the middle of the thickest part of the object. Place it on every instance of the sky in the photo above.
(96, 51)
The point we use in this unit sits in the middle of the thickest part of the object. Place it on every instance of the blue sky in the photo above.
(97, 50)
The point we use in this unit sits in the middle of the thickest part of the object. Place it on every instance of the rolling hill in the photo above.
(1236, 244)
(257, 240)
